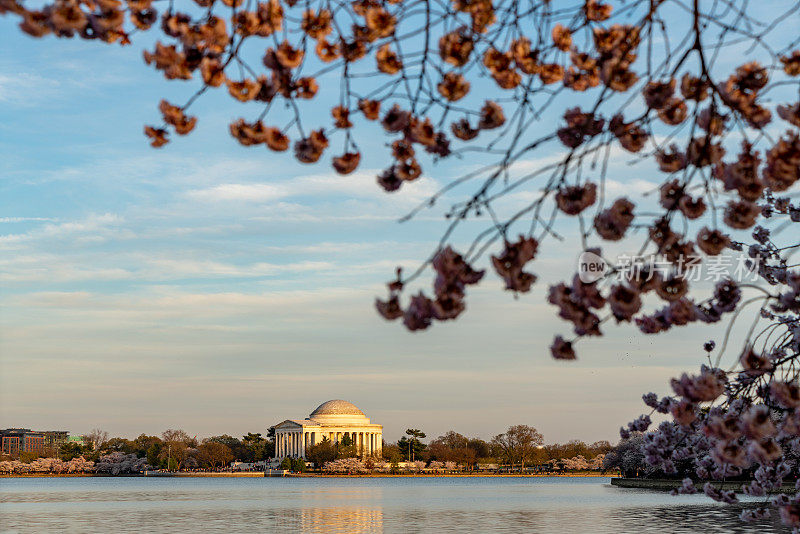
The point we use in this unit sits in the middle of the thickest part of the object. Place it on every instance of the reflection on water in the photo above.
(687, 519)
(368, 505)
(351, 520)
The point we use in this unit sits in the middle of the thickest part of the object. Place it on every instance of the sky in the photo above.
(223, 289)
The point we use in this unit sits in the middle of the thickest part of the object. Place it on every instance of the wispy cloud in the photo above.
(96, 226)
(240, 192)
(206, 275)
(26, 89)
(26, 219)
(357, 185)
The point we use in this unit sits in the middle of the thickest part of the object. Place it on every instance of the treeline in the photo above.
(174, 449)
(519, 447)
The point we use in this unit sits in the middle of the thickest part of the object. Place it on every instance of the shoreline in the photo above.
(668, 484)
(261, 474)
(452, 475)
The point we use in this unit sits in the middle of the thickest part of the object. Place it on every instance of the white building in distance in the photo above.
(332, 420)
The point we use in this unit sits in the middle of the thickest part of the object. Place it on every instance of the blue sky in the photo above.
(222, 289)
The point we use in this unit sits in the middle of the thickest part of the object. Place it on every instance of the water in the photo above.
(356, 505)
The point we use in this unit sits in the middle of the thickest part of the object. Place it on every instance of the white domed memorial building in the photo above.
(332, 420)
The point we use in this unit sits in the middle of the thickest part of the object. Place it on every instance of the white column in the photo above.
(294, 443)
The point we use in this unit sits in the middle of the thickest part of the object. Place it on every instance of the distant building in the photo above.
(76, 439)
(53, 439)
(17, 440)
(332, 420)
(13, 441)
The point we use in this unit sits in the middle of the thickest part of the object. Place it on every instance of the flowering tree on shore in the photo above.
(115, 463)
(47, 465)
(579, 463)
(646, 81)
(119, 463)
(377, 464)
(349, 466)
(628, 458)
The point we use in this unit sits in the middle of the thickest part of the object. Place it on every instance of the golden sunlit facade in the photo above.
(332, 420)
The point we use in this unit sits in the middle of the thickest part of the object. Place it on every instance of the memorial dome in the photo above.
(337, 407)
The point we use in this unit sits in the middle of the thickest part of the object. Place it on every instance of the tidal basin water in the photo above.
(355, 505)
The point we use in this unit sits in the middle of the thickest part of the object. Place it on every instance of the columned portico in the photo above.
(332, 420)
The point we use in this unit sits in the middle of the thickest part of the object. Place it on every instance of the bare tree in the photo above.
(178, 447)
(175, 453)
(175, 435)
(214, 454)
(96, 438)
(518, 445)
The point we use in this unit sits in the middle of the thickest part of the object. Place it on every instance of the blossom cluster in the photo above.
(117, 463)
(47, 465)
(743, 423)
(579, 463)
(349, 466)
(447, 467)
